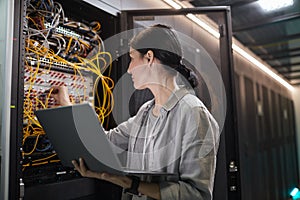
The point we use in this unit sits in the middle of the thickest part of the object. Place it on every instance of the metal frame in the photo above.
(286, 65)
(231, 4)
(295, 77)
(6, 138)
(290, 72)
(229, 138)
(280, 57)
(278, 52)
(267, 21)
(296, 84)
(16, 103)
(271, 41)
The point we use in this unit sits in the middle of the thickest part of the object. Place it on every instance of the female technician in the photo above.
(172, 133)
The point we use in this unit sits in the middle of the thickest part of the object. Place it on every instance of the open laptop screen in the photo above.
(74, 132)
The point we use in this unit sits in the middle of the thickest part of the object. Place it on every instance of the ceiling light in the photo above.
(173, 4)
(205, 26)
(269, 5)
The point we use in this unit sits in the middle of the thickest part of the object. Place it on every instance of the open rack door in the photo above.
(206, 38)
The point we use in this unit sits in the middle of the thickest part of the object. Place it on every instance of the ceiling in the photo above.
(273, 36)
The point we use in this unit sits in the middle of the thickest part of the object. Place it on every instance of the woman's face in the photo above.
(138, 69)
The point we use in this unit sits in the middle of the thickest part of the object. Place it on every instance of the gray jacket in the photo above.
(182, 140)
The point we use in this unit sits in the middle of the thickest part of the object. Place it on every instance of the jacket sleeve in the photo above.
(197, 161)
(119, 136)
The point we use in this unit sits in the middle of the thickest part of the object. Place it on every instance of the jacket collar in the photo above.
(175, 97)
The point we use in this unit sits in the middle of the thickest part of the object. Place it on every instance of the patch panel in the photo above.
(38, 80)
(48, 63)
(62, 30)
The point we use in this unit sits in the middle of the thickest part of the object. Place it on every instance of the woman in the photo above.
(172, 133)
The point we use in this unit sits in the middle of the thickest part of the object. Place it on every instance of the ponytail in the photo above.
(188, 74)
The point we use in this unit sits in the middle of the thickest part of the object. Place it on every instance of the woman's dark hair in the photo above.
(164, 43)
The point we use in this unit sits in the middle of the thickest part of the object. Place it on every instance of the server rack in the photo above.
(44, 182)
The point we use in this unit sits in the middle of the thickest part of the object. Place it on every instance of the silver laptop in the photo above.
(75, 131)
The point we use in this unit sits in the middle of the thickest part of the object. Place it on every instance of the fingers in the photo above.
(122, 181)
(55, 89)
(75, 164)
(58, 90)
(82, 165)
(82, 169)
(60, 94)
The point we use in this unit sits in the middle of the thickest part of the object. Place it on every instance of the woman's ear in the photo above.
(150, 57)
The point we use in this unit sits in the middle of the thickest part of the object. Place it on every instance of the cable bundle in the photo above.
(59, 51)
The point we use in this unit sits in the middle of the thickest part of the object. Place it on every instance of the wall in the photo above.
(267, 146)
